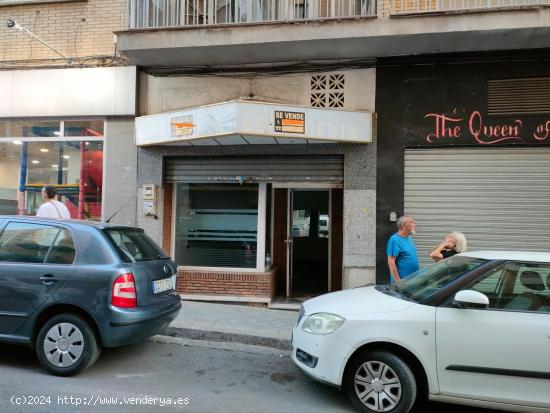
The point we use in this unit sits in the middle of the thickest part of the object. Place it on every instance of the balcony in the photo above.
(412, 7)
(199, 13)
(172, 36)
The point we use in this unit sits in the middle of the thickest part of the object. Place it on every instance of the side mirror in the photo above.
(471, 299)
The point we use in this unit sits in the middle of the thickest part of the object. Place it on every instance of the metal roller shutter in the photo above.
(255, 169)
(499, 198)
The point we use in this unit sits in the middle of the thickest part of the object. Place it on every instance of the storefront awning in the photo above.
(249, 123)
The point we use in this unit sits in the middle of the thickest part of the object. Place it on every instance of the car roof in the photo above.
(510, 255)
(72, 222)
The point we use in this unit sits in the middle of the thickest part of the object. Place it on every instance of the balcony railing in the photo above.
(445, 6)
(178, 13)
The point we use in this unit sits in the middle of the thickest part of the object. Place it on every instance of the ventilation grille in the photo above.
(327, 91)
(519, 96)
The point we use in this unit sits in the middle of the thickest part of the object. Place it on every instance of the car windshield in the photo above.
(133, 245)
(426, 282)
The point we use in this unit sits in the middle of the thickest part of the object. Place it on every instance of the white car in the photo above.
(473, 329)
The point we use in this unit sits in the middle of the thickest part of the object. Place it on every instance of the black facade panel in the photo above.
(427, 104)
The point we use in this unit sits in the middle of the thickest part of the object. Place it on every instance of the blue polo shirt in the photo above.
(404, 249)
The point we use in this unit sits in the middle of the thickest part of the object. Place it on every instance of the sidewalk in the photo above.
(236, 323)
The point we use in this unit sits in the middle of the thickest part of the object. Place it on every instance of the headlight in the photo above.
(322, 323)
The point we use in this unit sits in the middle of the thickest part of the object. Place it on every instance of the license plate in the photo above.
(162, 285)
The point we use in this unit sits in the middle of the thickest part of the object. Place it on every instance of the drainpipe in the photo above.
(22, 180)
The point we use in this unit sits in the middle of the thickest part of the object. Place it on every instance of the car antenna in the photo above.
(120, 209)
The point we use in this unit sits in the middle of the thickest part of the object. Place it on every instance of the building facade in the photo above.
(197, 58)
(67, 115)
(259, 193)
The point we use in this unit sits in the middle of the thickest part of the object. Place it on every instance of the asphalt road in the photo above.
(168, 375)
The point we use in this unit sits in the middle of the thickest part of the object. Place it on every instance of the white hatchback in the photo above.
(473, 329)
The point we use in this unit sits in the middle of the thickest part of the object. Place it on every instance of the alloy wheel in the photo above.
(377, 386)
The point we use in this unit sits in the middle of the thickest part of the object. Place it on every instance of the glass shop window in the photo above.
(216, 225)
(75, 168)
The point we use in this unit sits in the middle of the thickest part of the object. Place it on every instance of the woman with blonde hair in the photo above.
(454, 243)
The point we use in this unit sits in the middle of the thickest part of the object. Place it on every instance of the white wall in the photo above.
(165, 94)
(106, 91)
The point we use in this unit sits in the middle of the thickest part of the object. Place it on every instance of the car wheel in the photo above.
(379, 381)
(66, 345)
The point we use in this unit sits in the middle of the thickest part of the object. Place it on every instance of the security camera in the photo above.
(10, 23)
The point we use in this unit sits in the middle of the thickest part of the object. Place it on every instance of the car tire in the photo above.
(66, 345)
(379, 381)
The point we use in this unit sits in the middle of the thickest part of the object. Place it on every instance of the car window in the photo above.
(26, 242)
(517, 287)
(63, 249)
(133, 245)
(423, 284)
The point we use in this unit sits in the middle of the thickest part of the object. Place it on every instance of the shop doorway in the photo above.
(308, 242)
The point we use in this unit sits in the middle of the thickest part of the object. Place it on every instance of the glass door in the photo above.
(308, 242)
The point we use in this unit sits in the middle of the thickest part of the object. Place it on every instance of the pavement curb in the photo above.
(190, 333)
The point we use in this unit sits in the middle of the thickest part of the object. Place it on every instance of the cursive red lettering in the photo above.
(542, 131)
(491, 134)
(505, 131)
(475, 125)
(442, 128)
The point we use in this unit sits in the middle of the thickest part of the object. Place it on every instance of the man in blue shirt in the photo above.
(401, 251)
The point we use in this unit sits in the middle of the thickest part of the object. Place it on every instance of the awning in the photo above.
(252, 123)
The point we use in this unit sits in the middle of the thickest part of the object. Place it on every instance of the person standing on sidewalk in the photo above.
(454, 243)
(401, 251)
(52, 208)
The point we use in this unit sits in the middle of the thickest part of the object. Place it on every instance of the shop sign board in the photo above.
(243, 122)
(88, 91)
(440, 128)
(181, 126)
(290, 122)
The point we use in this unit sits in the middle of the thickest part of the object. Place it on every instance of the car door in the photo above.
(35, 260)
(501, 353)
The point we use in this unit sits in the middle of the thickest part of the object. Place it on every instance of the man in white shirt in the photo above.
(52, 208)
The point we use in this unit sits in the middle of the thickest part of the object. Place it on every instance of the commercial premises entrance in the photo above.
(227, 174)
(253, 237)
(308, 242)
(498, 197)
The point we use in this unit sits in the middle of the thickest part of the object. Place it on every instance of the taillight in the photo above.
(124, 291)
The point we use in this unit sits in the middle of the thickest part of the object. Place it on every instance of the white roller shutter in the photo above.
(498, 197)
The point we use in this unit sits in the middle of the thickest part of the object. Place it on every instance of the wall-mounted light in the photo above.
(13, 24)
(34, 161)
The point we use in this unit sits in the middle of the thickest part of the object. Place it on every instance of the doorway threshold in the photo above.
(287, 303)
